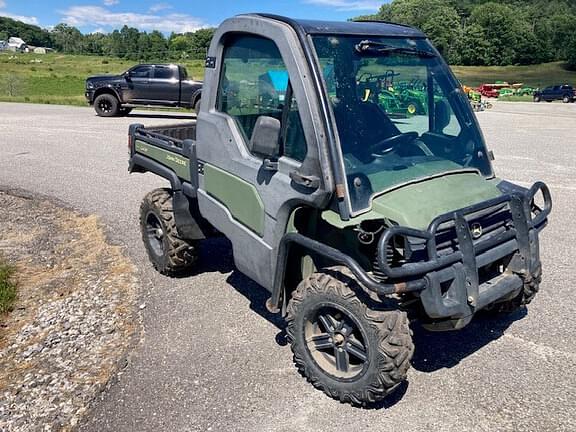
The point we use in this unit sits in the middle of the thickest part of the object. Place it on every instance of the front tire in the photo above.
(537, 99)
(168, 252)
(566, 99)
(106, 105)
(352, 352)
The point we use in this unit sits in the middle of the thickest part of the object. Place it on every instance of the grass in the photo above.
(59, 79)
(541, 75)
(526, 98)
(7, 287)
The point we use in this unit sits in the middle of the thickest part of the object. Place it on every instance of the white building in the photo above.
(17, 44)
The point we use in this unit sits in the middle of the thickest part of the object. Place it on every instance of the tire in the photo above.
(566, 99)
(168, 253)
(197, 106)
(106, 105)
(125, 111)
(374, 346)
(523, 299)
(537, 98)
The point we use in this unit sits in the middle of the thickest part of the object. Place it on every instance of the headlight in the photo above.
(89, 85)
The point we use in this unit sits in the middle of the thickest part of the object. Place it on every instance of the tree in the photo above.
(67, 39)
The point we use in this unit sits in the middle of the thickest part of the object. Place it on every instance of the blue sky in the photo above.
(171, 15)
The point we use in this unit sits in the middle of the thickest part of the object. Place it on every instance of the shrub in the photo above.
(7, 287)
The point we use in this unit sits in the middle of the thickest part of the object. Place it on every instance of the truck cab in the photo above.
(357, 219)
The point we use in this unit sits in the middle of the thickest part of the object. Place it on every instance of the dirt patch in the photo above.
(73, 319)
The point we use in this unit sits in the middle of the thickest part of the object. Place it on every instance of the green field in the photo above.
(59, 79)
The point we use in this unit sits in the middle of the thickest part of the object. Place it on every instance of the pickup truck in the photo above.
(566, 93)
(166, 85)
(358, 222)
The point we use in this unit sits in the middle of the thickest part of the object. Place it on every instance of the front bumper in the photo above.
(454, 286)
(89, 94)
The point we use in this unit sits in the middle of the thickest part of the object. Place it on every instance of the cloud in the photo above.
(25, 19)
(2, 4)
(111, 2)
(81, 16)
(159, 7)
(348, 5)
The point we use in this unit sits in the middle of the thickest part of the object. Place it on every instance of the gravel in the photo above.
(73, 317)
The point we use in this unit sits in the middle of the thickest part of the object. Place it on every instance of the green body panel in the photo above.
(240, 197)
(174, 161)
(417, 205)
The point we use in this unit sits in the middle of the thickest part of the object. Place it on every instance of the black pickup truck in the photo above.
(143, 85)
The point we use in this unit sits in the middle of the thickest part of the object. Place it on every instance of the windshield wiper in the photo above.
(373, 47)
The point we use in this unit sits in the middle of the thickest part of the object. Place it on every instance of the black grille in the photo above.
(493, 222)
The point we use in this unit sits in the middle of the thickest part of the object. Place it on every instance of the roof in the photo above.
(362, 28)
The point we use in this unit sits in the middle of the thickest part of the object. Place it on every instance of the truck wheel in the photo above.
(106, 105)
(537, 99)
(169, 253)
(566, 99)
(351, 352)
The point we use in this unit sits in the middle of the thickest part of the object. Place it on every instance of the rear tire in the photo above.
(537, 98)
(106, 105)
(168, 252)
(351, 352)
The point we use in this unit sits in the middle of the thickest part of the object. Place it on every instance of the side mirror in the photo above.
(441, 115)
(128, 76)
(264, 141)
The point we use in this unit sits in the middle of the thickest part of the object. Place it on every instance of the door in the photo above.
(137, 81)
(246, 196)
(164, 85)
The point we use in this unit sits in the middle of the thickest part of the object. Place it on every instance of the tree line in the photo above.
(489, 33)
(466, 32)
(127, 43)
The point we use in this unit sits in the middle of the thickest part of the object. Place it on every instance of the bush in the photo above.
(7, 287)
(105, 62)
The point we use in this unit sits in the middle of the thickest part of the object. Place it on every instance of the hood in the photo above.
(416, 205)
(98, 78)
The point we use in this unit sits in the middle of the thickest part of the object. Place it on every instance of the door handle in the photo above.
(307, 181)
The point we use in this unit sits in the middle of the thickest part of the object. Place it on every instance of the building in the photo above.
(17, 45)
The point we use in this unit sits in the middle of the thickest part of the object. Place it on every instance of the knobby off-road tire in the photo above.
(169, 253)
(106, 105)
(523, 299)
(326, 315)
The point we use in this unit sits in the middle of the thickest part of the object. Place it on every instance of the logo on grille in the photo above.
(476, 230)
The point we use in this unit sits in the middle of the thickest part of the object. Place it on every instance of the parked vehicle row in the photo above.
(160, 85)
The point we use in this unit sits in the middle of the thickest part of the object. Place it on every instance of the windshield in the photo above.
(400, 115)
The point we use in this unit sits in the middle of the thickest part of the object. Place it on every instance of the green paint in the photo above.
(240, 197)
(416, 205)
(178, 163)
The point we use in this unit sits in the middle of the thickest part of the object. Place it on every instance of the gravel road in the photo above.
(211, 358)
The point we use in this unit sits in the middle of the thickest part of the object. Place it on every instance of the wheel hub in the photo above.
(336, 343)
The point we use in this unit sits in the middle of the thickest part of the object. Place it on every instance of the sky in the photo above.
(171, 15)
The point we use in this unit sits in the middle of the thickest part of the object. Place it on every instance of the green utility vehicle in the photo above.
(357, 222)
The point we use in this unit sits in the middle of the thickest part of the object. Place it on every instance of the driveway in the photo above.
(212, 358)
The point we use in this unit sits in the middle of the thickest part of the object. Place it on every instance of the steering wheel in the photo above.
(387, 145)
